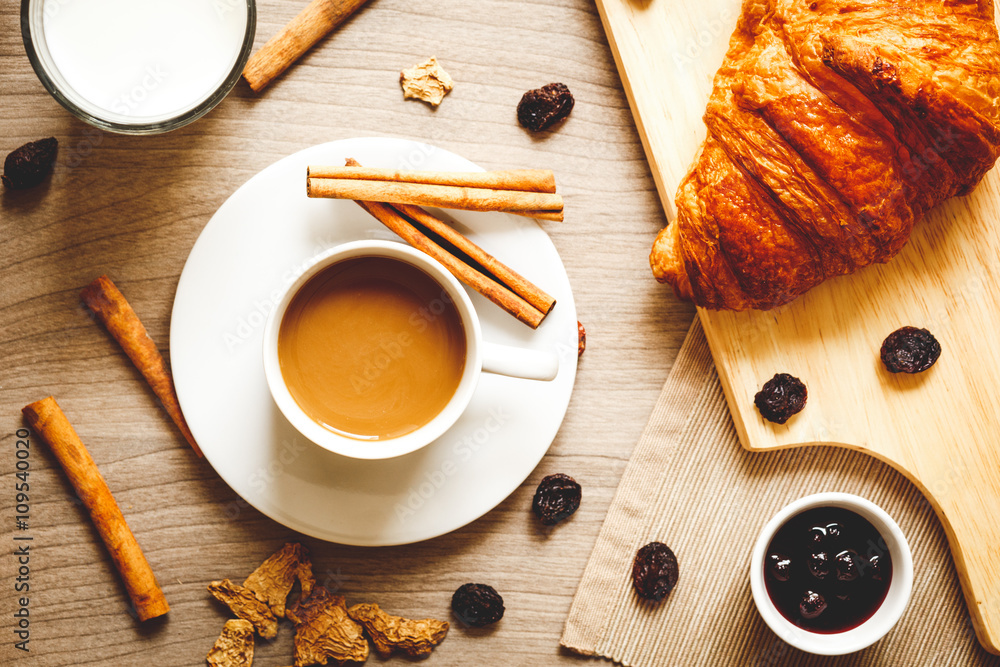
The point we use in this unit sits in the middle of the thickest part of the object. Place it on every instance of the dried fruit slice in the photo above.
(909, 350)
(244, 603)
(262, 597)
(234, 647)
(426, 81)
(781, 397)
(273, 580)
(543, 107)
(582, 337)
(556, 498)
(27, 166)
(477, 604)
(323, 630)
(654, 571)
(390, 632)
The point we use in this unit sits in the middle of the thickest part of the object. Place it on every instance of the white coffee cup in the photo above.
(481, 356)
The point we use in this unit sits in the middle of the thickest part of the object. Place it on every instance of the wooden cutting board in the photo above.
(940, 428)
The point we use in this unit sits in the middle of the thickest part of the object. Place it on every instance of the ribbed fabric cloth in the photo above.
(692, 486)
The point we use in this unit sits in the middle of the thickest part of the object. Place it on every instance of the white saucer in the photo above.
(257, 243)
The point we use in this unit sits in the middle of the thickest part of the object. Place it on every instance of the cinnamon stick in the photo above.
(508, 276)
(48, 421)
(491, 289)
(316, 20)
(442, 196)
(115, 313)
(556, 216)
(527, 180)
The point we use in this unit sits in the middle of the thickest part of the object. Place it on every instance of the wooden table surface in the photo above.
(132, 207)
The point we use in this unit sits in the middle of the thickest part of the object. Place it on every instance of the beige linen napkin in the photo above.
(691, 485)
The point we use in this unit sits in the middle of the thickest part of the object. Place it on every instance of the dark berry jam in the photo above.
(827, 570)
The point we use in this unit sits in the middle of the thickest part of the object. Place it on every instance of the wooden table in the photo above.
(132, 207)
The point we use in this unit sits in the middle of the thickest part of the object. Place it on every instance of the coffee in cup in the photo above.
(372, 348)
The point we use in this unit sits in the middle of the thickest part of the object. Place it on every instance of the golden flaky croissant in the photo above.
(833, 126)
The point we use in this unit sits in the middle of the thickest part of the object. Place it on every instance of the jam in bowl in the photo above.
(831, 573)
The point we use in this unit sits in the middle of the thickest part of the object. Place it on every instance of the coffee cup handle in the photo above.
(519, 362)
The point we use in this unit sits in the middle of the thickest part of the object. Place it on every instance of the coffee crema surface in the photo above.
(372, 348)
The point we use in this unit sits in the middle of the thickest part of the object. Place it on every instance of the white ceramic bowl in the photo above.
(880, 622)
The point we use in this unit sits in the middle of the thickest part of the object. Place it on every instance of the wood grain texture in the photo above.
(938, 428)
(132, 207)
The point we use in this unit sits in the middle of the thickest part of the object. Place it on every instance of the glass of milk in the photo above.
(138, 66)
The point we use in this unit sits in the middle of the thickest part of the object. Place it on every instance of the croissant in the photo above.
(833, 126)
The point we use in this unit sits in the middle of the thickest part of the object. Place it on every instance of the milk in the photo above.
(144, 60)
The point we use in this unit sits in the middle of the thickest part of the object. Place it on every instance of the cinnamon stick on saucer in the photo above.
(115, 313)
(316, 20)
(527, 192)
(491, 289)
(528, 180)
(507, 276)
(532, 204)
(48, 421)
(513, 293)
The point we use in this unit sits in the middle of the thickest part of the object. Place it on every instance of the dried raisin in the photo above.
(781, 397)
(543, 107)
(654, 571)
(582, 338)
(27, 166)
(910, 350)
(477, 604)
(556, 498)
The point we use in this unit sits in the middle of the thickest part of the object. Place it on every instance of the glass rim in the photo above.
(139, 128)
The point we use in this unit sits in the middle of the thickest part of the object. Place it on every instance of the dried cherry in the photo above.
(654, 571)
(878, 565)
(819, 564)
(781, 397)
(556, 498)
(817, 536)
(848, 565)
(27, 166)
(812, 605)
(477, 605)
(543, 107)
(779, 566)
(909, 350)
(582, 336)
